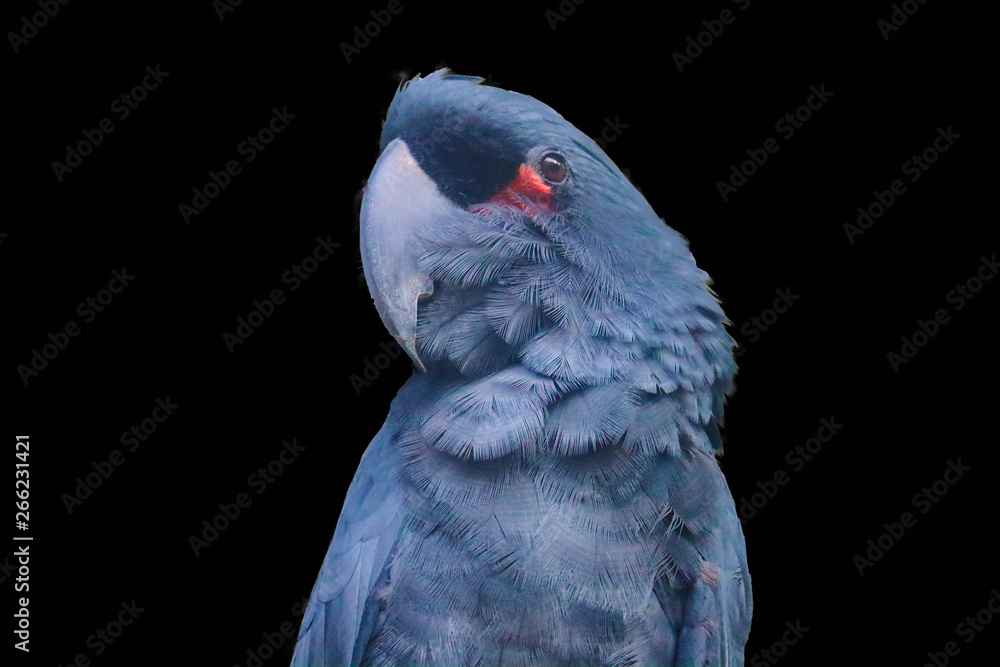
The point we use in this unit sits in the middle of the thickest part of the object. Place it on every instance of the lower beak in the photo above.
(399, 200)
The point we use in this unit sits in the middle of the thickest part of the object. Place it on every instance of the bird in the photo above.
(546, 488)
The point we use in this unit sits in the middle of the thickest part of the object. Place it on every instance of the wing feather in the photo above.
(705, 597)
(340, 617)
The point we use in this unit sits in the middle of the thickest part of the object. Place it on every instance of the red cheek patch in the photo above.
(527, 189)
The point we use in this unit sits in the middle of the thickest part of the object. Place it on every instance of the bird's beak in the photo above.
(399, 200)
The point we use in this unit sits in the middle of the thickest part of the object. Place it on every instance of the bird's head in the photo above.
(474, 182)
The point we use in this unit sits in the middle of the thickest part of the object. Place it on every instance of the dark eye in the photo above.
(552, 167)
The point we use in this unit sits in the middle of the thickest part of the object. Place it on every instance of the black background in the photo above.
(826, 357)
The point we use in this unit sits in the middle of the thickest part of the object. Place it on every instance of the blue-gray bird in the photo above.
(545, 489)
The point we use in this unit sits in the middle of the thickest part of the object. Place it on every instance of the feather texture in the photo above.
(549, 486)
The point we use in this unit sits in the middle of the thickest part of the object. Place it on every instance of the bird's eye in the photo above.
(552, 167)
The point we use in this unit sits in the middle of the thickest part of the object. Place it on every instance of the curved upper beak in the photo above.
(399, 200)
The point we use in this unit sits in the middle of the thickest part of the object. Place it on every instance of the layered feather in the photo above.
(554, 469)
